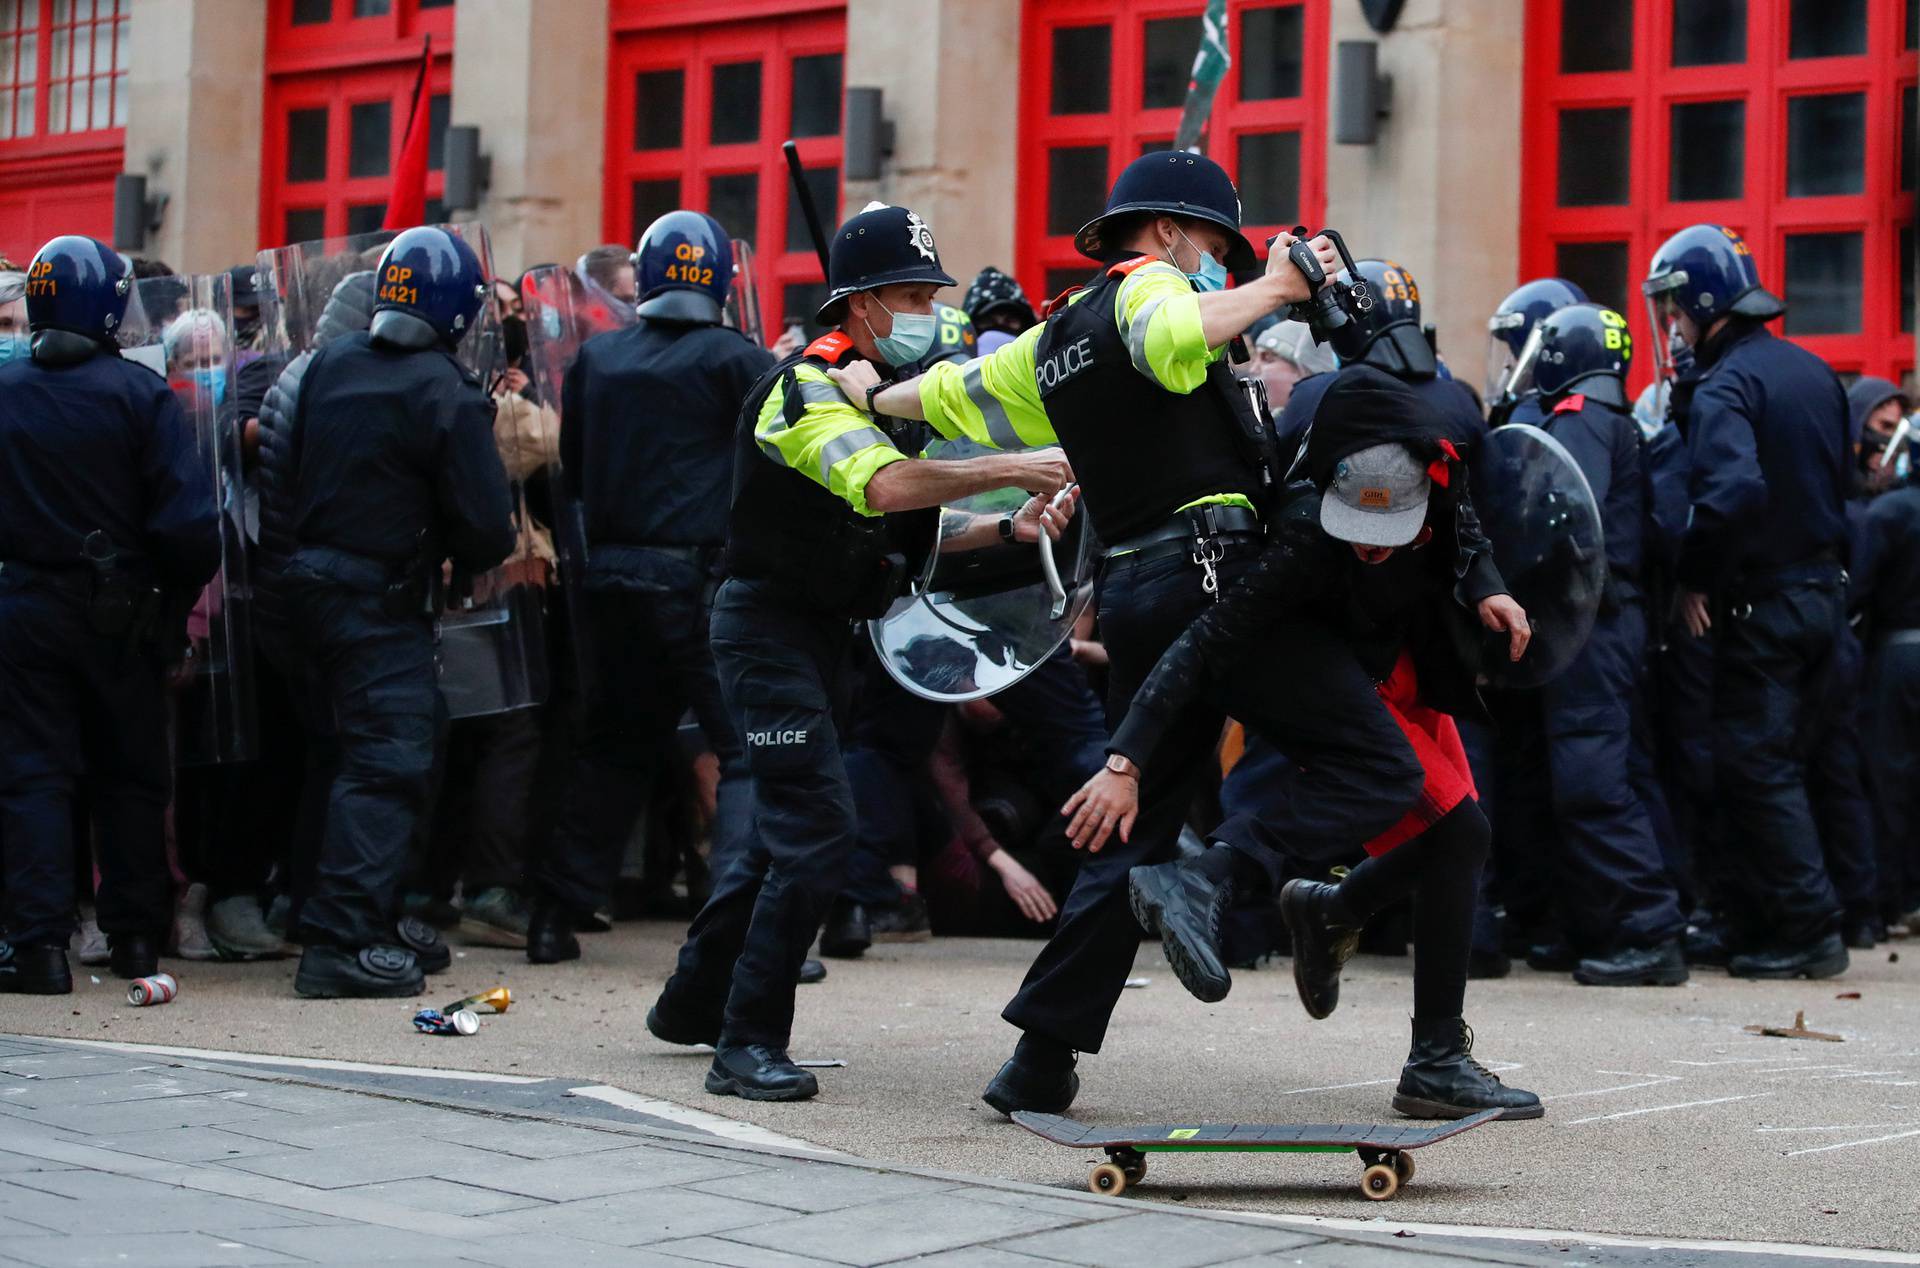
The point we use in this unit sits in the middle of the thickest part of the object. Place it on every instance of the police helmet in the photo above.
(993, 292)
(80, 286)
(1168, 183)
(1707, 272)
(1394, 340)
(684, 255)
(882, 246)
(434, 277)
(1513, 321)
(1583, 348)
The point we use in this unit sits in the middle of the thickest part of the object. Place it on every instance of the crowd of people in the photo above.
(1285, 728)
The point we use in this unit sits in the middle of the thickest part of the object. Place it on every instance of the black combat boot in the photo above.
(1039, 1077)
(132, 955)
(1660, 965)
(328, 972)
(759, 1073)
(811, 972)
(1186, 907)
(1442, 1080)
(666, 1023)
(1705, 944)
(1325, 934)
(1823, 957)
(41, 970)
(430, 950)
(550, 934)
(848, 933)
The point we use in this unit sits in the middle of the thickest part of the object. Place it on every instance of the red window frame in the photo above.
(1126, 125)
(336, 65)
(1763, 214)
(56, 182)
(649, 37)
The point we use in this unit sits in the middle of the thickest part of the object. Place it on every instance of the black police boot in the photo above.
(550, 935)
(670, 1026)
(1864, 933)
(1551, 957)
(1660, 965)
(1823, 957)
(811, 971)
(1442, 1080)
(1185, 907)
(1039, 1076)
(848, 933)
(132, 955)
(1705, 945)
(430, 950)
(904, 921)
(328, 972)
(39, 970)
(1324, 937)
(759, 1073)
(1483, 965)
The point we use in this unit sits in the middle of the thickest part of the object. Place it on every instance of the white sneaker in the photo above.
(190, 941)
(89, 944)
(239, 931)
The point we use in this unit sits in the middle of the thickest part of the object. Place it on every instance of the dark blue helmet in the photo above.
(1394, 340)
(684, 251)
(1512, 322)
(1168, 183)
(882, 246)
(1583, 348)
(1707, 272)
(433, 275)
(80, 286)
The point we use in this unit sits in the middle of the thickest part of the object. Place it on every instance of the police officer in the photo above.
(395, 473)
(1172, 460)
(1762, 567)
(646, 440)
(1887, 593)
(1395, 342)
(104, 505)
(1566, 750)
(1513, 398)
(829, 512)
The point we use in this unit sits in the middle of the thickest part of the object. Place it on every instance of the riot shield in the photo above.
(743, 300)
(1537, 509)
(182, 329)
(983, 619)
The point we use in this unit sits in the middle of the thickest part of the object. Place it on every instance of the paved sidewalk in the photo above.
(115, 1158)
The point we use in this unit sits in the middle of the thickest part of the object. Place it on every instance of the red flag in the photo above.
(407, 199)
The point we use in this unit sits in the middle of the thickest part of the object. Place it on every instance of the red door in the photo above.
(695, 117)
(63, 107)
(1788, 120)
(1104, 81)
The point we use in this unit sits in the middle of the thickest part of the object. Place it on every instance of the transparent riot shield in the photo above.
(743, 300)
(1537, 509)
(983, 619)
(181, 328)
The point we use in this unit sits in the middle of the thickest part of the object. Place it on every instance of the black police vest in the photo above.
(1139, 451)
(790, 532)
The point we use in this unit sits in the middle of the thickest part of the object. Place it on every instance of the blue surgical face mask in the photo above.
(14, 348)
(1211, 275)
(911, 338)
(211, 382)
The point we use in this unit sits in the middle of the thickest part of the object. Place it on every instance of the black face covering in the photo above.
(513, 334)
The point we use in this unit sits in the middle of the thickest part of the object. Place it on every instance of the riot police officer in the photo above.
(1510, 397)
(829, 512)
(1762, 567)
(1174, 463)
(646, 440)
(395, 473)
(1566, 749)
(107, 519)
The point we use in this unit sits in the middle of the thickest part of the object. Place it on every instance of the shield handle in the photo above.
(1050, 569)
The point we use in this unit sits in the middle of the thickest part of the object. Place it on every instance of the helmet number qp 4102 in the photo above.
(696, 274)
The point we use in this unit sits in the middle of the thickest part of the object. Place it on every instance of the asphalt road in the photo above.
(1664, 1118)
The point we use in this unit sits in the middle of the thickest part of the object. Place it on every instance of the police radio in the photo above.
(1335, 305)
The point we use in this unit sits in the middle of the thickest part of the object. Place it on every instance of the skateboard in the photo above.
(1385, 1149)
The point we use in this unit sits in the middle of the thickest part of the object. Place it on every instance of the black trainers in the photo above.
(848, 933)
(759, 1073)
(369, 973)
(1025, 1085)
(1552, 957)
(1324, 938)
(132, 955)
(811, 972)
(1442, 1080)
(41, 970)
(430, 950)
(904, 921)
(550, 934)
(1661, 965)
(1185, 908)
(668, 1026)
(1825, 957)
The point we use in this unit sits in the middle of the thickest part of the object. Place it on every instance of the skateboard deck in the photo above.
(1383, 1147)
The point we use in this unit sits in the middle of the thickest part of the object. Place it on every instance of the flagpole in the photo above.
(1209, 68)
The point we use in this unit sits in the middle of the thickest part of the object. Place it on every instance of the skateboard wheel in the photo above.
(1107, 1178)
(1136, 1170)
(1403, 1167)
(1379, 1182)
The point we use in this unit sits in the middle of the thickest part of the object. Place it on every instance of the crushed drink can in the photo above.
(496, 1000)
(431, 1021)
(158, 989)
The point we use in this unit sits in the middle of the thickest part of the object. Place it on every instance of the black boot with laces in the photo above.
(1442, 1080)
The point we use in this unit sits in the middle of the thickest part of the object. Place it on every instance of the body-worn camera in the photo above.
(1336, 307)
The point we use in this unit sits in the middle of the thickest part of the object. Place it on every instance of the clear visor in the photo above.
(1517, 379)
(1500, 360)
(743, 299)
(1663, 319)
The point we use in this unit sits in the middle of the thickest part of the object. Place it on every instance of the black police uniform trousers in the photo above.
(1893, 747)
(1774, 642)
(786, 676)
(74, 706)
(1310, 694)
(1836, 781)
(378, 672)
(651, 661)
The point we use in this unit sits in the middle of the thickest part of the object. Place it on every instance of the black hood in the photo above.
(1865, 396)
(1365, 407)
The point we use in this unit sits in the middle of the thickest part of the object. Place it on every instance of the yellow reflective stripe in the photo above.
(834, 444)
(1000, 432)
(1158, 313)
(844, 446)
(1137, 336)
(994, 399)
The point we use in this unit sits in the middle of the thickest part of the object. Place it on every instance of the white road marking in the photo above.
(1657, 1081)
(305, 1063)
(700, 1120)
(1661, 1109)
(1843, 1127)
(1849, 1144)
(1496, 1068)
(1804, 1069)
(1735, 1061)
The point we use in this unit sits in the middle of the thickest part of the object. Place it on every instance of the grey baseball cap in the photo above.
(1293, 341)
(1378, 497)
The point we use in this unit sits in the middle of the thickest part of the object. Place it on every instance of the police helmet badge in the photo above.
(921, 237)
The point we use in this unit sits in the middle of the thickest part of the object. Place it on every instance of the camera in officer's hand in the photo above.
(1332, 311)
